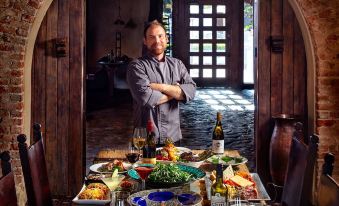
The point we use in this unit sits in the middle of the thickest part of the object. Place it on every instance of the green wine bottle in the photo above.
(218, 189)
(149, 150)
(218, 137)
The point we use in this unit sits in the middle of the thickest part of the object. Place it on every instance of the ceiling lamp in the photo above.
(119, 21)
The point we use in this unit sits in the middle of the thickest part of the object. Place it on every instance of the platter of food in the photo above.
(170, 175)
(227, 160)
(93, 194)
(177, 150)
(247, 186)
(261, 191)
(194, 160)
(128, 185)
(95, 177)
(109, 167)
(170, 153)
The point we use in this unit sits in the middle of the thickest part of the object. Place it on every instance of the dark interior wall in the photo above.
(101, 28)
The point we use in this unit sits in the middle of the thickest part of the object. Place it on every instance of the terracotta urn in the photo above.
(280, 146)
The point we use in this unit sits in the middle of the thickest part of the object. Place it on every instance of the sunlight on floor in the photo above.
(225, 100)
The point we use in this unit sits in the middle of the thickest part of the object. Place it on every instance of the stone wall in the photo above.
(17, 16)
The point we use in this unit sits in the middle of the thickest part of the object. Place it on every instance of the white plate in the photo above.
(90, 202)
(192, 164)
(180, 149)
(94, 168)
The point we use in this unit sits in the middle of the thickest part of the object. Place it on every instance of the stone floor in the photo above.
(109, 124)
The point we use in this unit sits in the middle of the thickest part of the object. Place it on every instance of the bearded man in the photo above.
(157, 84)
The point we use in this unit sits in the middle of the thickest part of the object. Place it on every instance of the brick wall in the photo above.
(323, 21)
(16, 18)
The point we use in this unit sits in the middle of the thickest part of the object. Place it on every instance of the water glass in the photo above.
(119, 198)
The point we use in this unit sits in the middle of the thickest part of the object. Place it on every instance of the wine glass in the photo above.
(139, 138)
(132, 155)
(143, 170)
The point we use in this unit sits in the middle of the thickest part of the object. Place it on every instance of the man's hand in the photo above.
(170, 90)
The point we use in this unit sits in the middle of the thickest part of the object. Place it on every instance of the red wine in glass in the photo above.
(133, 157)
(144, 170)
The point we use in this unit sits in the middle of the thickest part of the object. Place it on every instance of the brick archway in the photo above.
(20, 21)
(42, 7)
(31, 37)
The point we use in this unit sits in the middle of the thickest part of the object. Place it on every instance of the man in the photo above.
(157, 84)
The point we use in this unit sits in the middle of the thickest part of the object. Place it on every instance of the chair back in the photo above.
(308, 185)
(7, 183)
(328, 193)
(301, 159)
(34, 170)
(328, 164)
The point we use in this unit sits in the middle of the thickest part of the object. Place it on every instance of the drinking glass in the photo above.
(119, 198)
(112, 183)
(143, 170)
(139, 138)
(132, 155)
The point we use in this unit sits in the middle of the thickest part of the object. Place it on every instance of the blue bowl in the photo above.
(186, 199)
(189, 198)
(160, 196)
(139, 201)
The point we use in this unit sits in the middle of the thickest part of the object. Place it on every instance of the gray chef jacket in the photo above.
(165, 117)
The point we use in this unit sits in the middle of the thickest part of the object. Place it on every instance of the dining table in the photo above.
(110, 154)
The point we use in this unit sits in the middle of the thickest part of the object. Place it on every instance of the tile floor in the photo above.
(109, 124)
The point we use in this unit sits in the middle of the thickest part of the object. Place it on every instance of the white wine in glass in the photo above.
(139, 137)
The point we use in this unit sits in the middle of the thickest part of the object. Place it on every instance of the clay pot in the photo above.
(280, 146)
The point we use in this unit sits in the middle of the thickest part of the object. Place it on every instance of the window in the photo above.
(207, 40)
(205, 43)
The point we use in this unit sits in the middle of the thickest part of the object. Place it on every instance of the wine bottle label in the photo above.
(218, 200)
(149, 160)
(218, 146)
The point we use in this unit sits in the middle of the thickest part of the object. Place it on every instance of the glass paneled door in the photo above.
(207, 41)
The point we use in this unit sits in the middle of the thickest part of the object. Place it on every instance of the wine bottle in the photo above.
(218, 137)
(218, 189)
(149, 150)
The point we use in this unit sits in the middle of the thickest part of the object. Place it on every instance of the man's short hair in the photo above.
(153, 23)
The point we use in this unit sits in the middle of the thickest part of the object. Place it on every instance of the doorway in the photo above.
(208, 41)
(265, 102)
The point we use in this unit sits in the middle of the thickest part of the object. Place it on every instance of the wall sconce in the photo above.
(61, 47)
(277, 44)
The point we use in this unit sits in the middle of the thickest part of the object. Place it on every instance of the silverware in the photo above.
(237, 201)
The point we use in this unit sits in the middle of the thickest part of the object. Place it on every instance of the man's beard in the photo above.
(155, 50)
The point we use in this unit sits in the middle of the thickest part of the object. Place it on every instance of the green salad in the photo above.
(226, 159)
(169, 173)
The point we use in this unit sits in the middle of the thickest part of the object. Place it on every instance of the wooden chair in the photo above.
(7, 184)
(301, 159)
(34, 169)
(328, 193)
